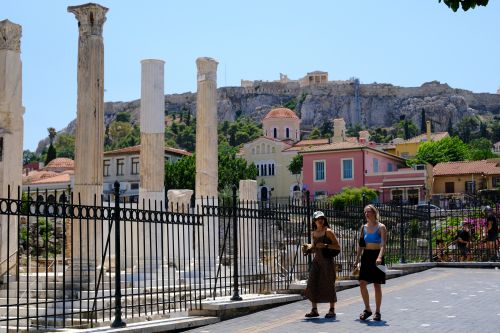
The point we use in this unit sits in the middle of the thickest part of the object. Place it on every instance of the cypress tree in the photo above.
(423, 125)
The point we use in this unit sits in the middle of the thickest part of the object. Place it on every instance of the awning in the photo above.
(402, 186)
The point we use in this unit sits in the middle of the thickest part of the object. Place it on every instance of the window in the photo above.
(319, 171)
(389, 167)
(496, 181)
(275, 132)
(135, 165)
(470, 187)
(119, 166)
(287, 133)
(265, 168)
(347, 169)
(449, 187)
(134, 186)
(106, 165)
(1, 149)
(397, 196)
(375, 165)
(413, 196)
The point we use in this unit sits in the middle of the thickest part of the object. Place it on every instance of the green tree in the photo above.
(291, 104)
(480, 149)
(29, 156)
(467, 128)
(52, 134)
(232, 169)
(315, 134)
(295, 166)
(51, 152)
(186, 137)
(65, 145)
(405, 129)
(465, 4)
(326, 129)
(380, 135)
(180, 174)
(353, 131)
(483, 130)
(450, 127)
(423, 122)
(495, 129)
(123, 117)
(449, 149)
(353, 195)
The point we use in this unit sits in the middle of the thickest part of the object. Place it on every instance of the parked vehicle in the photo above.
(435, 211)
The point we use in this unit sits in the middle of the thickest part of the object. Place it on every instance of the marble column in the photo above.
(152, 156)
(89, 141)
(206, 179)
(249, 231)
(206, 129)
(11, 133)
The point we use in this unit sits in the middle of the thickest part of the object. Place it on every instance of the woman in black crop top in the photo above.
(371, 251)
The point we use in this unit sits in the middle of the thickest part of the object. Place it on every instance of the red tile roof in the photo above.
(137, 150)
(313, 142)
(61, 178)
(327, 147)
(488, 167)
(60, 163)
(35, 176)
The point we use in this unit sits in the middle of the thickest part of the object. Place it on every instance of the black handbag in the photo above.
(327, 252)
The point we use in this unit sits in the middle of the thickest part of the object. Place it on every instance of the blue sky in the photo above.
(405, 43)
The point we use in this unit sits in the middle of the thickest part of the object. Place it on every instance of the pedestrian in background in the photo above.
(491, 233)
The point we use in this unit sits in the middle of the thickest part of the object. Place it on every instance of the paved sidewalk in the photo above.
(440, 300)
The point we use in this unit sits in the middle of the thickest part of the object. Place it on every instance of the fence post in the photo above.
(430, 229)
(308, 221)
(236, 296)
(118, 322)
(401, 234)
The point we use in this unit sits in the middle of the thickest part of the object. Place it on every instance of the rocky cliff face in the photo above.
(372, 105)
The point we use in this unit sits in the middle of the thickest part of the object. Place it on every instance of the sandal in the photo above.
(365, 314)
(377, 316)
(313, 313)
(331, 313)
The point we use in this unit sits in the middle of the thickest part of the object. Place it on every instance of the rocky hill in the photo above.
(372, 105)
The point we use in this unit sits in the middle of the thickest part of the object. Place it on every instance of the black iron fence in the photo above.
(65, 264)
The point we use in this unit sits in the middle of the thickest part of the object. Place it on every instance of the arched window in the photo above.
(287, 131)
(275, 132)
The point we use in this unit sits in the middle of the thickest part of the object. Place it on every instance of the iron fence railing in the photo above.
(65, 264)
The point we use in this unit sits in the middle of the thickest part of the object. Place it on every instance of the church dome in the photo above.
(60, 164)
(281, 113)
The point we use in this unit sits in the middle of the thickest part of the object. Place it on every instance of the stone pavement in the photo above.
(437, 300)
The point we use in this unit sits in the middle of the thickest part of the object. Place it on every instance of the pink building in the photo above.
(330, 167)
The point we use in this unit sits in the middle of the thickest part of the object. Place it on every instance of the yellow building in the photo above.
(454, 180)
(281, 128)
(408, 148)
